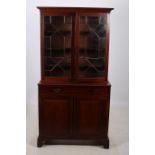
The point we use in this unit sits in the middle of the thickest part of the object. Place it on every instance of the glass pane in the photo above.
(92, 46)
(57, 44)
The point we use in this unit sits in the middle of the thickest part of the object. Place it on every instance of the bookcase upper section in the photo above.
(74, 44)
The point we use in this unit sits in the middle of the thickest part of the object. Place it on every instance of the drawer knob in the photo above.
(57, 90)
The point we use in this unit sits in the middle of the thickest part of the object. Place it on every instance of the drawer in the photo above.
(55, 91)
(94, 92)
(71, 90)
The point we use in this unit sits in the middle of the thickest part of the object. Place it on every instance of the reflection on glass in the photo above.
(92, 46)
(57, 44)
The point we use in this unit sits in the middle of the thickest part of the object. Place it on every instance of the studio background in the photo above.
(118, 64)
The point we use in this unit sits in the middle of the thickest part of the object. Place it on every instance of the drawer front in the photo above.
(80, 91)
(93, 92)
(55, 91)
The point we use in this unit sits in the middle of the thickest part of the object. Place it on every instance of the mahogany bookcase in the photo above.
(74, 91)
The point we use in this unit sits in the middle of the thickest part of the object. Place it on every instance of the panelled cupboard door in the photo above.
(92, 47)
(91, 118)
(55, 117)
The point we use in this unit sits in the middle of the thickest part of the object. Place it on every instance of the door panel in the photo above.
(91, 116)
(56, 117)
(57, 45)
(92, 46)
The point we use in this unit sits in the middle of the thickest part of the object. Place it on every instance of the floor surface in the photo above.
(118, 135)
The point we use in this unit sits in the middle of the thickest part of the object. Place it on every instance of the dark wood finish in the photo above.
(49, 141)
(72, 109)
(56, 111)
(74, 9)
(90, 120)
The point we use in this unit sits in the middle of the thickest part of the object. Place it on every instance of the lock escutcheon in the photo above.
(57, 90)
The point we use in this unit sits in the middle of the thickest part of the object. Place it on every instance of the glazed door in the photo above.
(92, 49)
(57, 45)
(55, 117)
(91, 118)
(74, 46)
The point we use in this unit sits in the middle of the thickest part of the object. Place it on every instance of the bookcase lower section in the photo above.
(74, 114)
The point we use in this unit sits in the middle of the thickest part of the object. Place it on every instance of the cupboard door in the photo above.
(91, 118)
(92, 45)
(55, 117)
(58, 38)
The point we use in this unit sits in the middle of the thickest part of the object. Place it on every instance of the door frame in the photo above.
(56, 13)
(96, 79)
